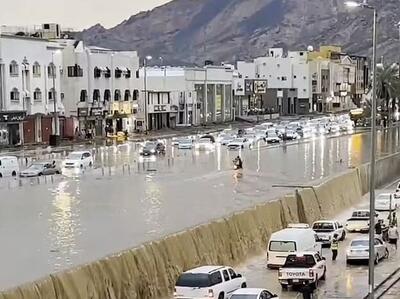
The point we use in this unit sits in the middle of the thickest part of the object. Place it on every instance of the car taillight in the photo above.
(311, 272)
(210, 293)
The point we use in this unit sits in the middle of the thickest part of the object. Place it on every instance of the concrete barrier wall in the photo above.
(150, 271)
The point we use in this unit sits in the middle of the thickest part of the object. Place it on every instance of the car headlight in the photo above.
(153, 151)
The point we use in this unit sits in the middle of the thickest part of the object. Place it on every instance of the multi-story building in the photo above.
(101, 87)
(187, 96)
(30, 88)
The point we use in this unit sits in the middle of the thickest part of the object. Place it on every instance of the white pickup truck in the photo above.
(302, 268)
(327, 229)
(359, 221)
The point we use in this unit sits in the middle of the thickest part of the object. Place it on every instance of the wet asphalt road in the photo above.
(343, 281)
(49, 224)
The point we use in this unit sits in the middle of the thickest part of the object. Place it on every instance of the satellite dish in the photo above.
(310, 48)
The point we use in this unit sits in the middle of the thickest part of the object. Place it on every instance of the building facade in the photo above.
(101, 88)
(30, 89)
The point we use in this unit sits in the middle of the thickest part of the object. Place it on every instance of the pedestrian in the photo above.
(394, 219)
(393, 235)
(378, 228)
(334, 246)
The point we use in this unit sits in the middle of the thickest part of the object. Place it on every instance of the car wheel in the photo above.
(221, 296)
(284, 287)
(323, 277)
(14, 173)
(90, 164)
(244, 285)
(343, 236)
(386, 256)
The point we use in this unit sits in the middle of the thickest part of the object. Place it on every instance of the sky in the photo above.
(77, 14)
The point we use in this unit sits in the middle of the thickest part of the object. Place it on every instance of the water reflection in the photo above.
(64, 224)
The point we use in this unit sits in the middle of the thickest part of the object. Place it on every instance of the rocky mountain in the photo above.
(191, 31)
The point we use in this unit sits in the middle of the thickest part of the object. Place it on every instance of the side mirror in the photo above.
(238, 275)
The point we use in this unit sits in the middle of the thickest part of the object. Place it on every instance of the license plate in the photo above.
(296, 280)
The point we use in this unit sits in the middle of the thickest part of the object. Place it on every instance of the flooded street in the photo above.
(126, 200)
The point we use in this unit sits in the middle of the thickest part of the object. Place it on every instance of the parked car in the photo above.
(386, 202)
(272, 137)
(78, 159)
(358, 250)
(326, 229)
(152, 148)
(216, 282)
(239, 143)
(251, 293)
(8, 166)
(40, 168)
(302, 268)
(292, 239)
(359, 221)
(185, 143)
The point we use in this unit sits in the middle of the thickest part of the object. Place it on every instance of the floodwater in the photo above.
(50, 224)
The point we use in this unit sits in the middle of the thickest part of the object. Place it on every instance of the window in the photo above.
(46, 26)
(135, 95)
(96, 95)
(14, 69)
(127, 95)
(301, 53)
(14, 95)
(37, 95)
(294, 261)
(51, 70)
(128, 73)
(107, 73)
(215, 278)
(52, 94)
(226, 275)
(265, 295)
(118, 73)
(97, 72)
(137, 74)
(232, 273)
(36, 69)
(117, 95)
(83, 96)
(75, 71)
(107, 95)
(282, 246)
(295, 76)
(284, 78)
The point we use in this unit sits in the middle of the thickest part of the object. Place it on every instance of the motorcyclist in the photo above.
(238, 163)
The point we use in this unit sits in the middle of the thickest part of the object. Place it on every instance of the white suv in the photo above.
(217, 282)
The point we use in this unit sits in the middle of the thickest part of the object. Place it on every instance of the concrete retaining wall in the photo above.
(150, 271)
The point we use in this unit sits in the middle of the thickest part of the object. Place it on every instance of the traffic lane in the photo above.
(75, 219)
(343, 281)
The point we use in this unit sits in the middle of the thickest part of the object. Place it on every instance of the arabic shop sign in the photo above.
(8, 117)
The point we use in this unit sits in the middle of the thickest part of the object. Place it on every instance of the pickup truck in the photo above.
(326, 229)
(302, 268)
(359, 221)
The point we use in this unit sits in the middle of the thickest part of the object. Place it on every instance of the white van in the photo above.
(296, 238)
(8, 166)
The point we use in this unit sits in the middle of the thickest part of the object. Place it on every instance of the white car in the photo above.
(79, 159)
(359, 221)
(272, 137)
(358, 250)
(326, 229)
(226, 139)
(213, 282)
(386, 202)
(185, 143)
(239, 143)
(302, 268)
(249, 293)
(204, 144)
(8, 166)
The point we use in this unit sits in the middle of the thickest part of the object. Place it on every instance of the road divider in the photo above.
(150, 271)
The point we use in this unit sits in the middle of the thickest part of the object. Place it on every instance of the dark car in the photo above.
(152, 148)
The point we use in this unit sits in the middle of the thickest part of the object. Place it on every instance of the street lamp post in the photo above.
(371, 273)
(55, 116)
(146, 118)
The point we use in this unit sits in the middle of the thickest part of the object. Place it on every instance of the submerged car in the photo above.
(39, 169)
(205, 144)
(78, 159)
(186, 143)
(252, 293)
(152, 148)
(239, 143)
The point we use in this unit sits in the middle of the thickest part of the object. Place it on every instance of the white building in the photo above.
(187, 96)
(30, 71)
(101, 87)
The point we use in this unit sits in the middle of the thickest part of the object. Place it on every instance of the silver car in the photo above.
(39, 169)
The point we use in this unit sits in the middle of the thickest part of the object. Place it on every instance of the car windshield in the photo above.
(36, 167)
(74, 156)
(355, 243)
(150, 144)
(294, 261)
(325, 226)
(360, 214)
(185, 141)
(205, 140)
(193, 280)
(282, 246)
(244, 296)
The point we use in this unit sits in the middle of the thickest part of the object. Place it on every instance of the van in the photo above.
(8, 166)
(296, 238)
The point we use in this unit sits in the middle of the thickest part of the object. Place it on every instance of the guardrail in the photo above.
(382, 288)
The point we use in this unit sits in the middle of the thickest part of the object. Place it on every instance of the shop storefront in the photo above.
(11, 127)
